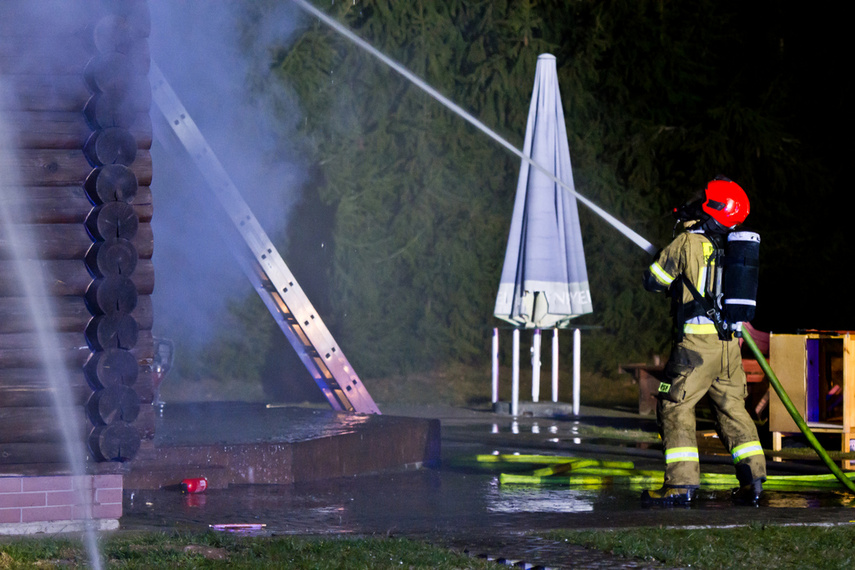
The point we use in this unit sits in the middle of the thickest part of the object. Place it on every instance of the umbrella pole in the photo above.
(577, 368)
(535, 366)
(554, 365)
(495, 365)
(515, 381)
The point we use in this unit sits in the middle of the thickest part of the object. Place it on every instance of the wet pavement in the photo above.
(228, 423)
(463, 506)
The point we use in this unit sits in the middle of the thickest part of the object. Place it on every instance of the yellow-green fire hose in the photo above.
(776, 384)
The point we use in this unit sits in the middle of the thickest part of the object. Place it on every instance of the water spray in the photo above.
(468, 117)
(32, 282)
(614, 222)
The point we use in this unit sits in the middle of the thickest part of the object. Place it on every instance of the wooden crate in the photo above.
(817, 370)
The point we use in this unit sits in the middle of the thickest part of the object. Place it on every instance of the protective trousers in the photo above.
(703, 364)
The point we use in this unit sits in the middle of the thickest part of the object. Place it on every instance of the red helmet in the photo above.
(726, 202)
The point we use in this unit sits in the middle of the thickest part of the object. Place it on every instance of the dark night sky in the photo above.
(810, 288)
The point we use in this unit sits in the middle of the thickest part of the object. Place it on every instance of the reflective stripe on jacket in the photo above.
(689, 254)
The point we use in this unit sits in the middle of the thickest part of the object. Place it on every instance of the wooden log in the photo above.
(112, 257)
(73, 341)
(39, 19)
(112, 331)
(127, 110)
(111, 296)
(48, 167)
(113, 404)
(112, 183)
(58, 468)
(19, 454)
(110, 146)
(112, 220)
(52, 205)
(91, 34)
(117, 73)
(110, 444)
(120, 33)
(40, 424)
(118, 441)
(26, 57)
(70, 204)
(144, 386)
(30, 356)
(65, 93)
(73, 58)
(70, 278)
(70, 130)
(20, 350)
(30, 387)
(135, 12)
(69, 315)
(66, 241)
(111, 367)
(97, 31)
(145, 422)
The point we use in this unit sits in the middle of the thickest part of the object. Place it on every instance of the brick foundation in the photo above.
(56, 503)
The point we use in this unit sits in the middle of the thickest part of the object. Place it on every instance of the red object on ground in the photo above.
(195, 485)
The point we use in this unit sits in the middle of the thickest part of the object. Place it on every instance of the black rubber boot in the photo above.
(749, 494)
(668, 496)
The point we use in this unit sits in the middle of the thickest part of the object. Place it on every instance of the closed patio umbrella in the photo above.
(544, 282)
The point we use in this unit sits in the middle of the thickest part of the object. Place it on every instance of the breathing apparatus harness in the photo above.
(711, 309)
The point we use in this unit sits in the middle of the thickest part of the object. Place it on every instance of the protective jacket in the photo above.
(691, 256)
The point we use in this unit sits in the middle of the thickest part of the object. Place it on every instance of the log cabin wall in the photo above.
(77, 97)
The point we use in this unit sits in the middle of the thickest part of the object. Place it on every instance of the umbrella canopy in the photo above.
(544, 281)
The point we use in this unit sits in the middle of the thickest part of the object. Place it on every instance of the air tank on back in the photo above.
(741, 272)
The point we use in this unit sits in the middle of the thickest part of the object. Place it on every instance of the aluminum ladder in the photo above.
(266, 269)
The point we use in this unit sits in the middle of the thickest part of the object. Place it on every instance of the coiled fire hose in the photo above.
(776, 384)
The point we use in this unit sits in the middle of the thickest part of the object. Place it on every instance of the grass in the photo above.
(454, 384)
(755, 546)
(218, 550)
(760, 546)
(465, 386)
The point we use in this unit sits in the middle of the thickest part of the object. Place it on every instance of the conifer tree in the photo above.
(658, 98)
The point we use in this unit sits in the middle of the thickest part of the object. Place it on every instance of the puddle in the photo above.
(530, 499)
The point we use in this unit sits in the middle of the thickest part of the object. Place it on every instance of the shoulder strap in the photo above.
(710, 311)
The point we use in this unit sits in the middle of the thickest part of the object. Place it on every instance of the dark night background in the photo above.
(806, 284)
(400, 223)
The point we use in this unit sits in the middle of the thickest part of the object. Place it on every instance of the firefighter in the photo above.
(705, 356)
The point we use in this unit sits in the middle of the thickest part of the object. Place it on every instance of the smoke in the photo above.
(217, 57)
